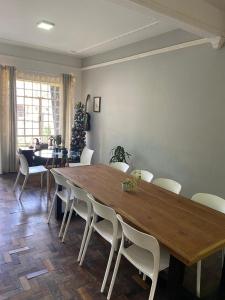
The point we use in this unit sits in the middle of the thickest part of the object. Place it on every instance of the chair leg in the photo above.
(16, 182)
(67, 223)
(86, 245)
(48, 185)
(83, 240)
(198, 285)
(64, 219)
(114, 275)
(52, 205)
(223, 253)
(42, 174)
(23, 186)
(108, 268)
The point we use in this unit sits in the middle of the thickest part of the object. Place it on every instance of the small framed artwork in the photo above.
(97, 104)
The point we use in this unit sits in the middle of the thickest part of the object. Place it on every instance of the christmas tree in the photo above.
(78, 139)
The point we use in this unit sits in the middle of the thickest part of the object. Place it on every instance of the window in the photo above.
(38, 107)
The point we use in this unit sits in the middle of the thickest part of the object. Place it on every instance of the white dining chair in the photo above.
(82, 206)
(122, 166)
(144, 253)
(27, 171)
(109, 228)
(63, 191)
(143, 174)
(168, 184)
(85, 158)
(215, 203)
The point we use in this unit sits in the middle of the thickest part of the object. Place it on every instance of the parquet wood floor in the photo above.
(34, 264)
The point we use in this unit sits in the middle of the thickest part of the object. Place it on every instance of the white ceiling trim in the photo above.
(116, 38)
(149, 53)
(199, 16)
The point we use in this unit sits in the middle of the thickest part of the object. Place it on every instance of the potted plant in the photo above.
(119, 155)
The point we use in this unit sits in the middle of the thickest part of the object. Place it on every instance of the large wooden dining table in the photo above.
(190, 231)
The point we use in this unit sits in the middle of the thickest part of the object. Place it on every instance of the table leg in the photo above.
(175, 280)
(221, 291)
(58, 207)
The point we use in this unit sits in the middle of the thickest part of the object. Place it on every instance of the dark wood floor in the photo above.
(62, 278)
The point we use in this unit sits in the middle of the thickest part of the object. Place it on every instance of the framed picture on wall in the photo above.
(97, 104)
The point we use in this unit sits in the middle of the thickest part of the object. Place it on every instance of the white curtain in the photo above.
(7, 119)
(67, 107)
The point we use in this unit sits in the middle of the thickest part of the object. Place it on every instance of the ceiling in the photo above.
(220, 4)
(82, 27)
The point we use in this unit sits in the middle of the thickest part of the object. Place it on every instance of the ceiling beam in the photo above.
(198, 16)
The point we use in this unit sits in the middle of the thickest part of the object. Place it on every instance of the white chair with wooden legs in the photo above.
(85, 158)
(215, 203)
(82, 206)
(27, 171)
(122, 166)
(168, 184)
(144, 253)
(63, 191)
(143, 174)
(109, 228)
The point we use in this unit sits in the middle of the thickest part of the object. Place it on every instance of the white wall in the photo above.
(167, 110)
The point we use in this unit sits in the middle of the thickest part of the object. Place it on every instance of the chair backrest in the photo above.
(141, 239)
(211, 201)
(81, 195)
(60, 180)
(168, 184)
(122, 166)
(86, 156)
(24, 167)
(103, 211)
(144, 174)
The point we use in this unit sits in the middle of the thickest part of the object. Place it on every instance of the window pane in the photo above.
(35, 117)
(36, 109)
(28, 85)
(28, 124)
(36, 102)
(20, 131)
(45, 95)
(19, 84)
(28, 109)
(20, 92)
(20, 124)
(44, 102)
(28, 93)
(35, 124)
(28, 131)
(45, 110)
(36, 93)
(36, 132)
(44, 87)
(21, 140)
(36, 86)
(20, 100)
(45, 118)
(28, 101)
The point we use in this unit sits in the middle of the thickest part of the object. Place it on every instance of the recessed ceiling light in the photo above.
(45, 25)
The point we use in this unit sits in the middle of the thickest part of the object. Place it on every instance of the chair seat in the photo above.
(64, 194)
(77, 164)
(81, 209)
(143, 259)
(37, 170)
(105, 229)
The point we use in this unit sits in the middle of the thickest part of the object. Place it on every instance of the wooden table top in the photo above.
(189, 230)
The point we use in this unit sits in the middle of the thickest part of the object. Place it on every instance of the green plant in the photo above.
(119, 155)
